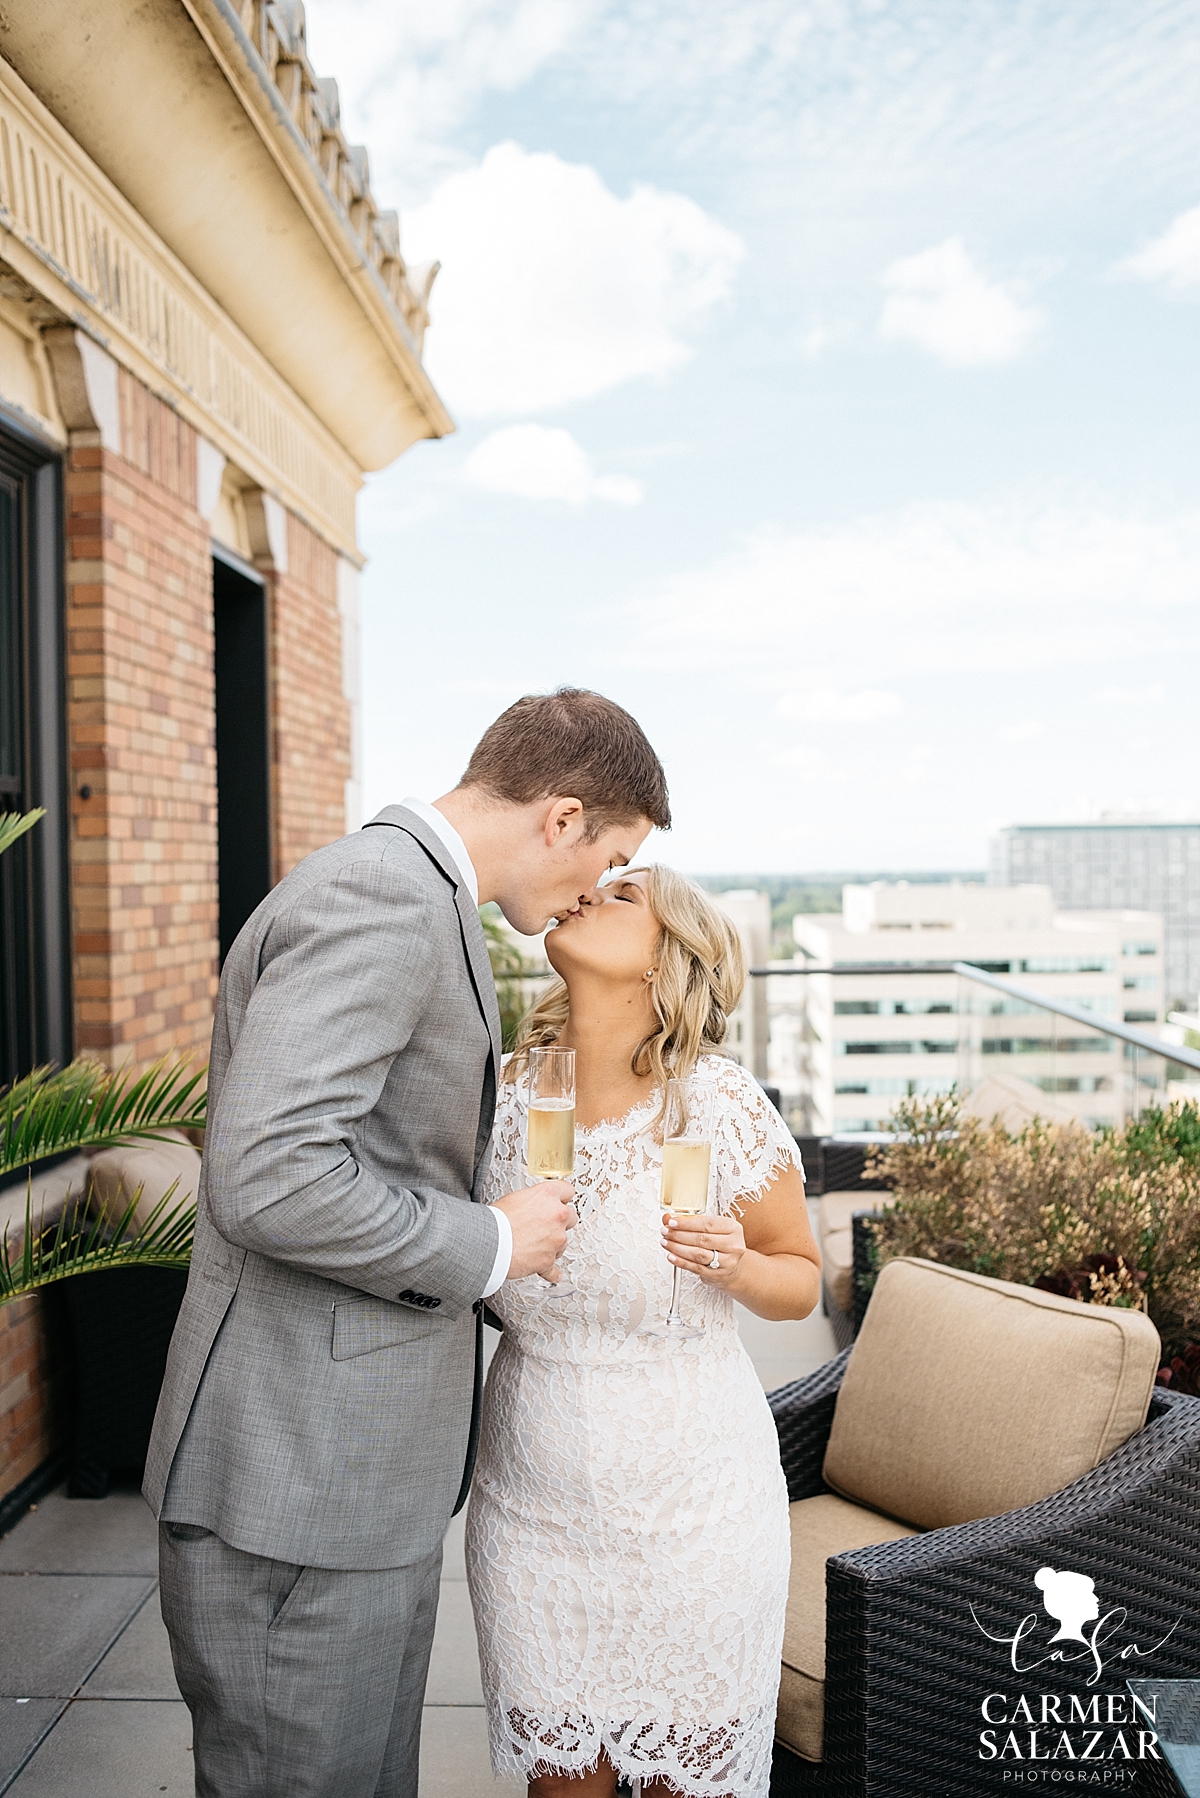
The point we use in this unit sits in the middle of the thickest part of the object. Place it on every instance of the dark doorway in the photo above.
(243, 744)
(35, 942)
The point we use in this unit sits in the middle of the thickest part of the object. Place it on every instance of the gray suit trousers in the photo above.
(303, 1682)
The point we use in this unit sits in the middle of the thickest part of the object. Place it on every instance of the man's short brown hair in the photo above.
(577, 744)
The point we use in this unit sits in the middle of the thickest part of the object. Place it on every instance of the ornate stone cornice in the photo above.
(73, 239)
(275, 31)
(208, 118)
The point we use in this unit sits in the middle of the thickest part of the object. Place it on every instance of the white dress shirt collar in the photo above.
(450, 840)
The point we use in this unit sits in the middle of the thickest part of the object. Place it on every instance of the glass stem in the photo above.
(676, 1284)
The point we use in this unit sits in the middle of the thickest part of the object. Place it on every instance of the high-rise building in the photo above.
(1117, 863)
(886, 1022)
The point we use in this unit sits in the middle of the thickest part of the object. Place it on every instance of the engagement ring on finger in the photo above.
(716, 1260)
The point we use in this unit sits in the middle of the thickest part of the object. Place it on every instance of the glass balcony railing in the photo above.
(842, 1062)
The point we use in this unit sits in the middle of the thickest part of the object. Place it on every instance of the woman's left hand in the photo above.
(692, 1243)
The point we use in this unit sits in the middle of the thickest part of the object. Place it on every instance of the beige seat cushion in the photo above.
(115, 1175)
(821, 1527)
(837, 1240)
(966, 1397)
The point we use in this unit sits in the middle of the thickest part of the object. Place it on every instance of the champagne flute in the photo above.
(550, 1124)
(686, 1164)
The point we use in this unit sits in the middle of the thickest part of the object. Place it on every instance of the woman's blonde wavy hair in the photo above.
(699, 979)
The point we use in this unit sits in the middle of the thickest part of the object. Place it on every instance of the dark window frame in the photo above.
(244, 741)
(37, 1025)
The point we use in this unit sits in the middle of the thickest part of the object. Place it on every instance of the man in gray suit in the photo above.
(317, 1419)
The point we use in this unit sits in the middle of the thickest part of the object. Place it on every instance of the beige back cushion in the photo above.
(966, 1397)
(837, 1239)
(115, 1175)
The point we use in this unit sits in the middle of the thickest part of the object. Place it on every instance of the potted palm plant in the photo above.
(120, 1322)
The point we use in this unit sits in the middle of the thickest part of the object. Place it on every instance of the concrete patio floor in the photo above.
(88, 1702)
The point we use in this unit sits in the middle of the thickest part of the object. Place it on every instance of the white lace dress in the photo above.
(627, 1538)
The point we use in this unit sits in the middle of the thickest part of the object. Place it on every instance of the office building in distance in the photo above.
(1117, 863)
(847, 1044)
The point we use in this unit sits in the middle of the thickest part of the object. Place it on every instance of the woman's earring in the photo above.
(650, 973)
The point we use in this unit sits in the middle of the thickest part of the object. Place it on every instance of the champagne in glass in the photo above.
(550, 1149)
(686, 1164)
(685, 1167)
(550, 1124)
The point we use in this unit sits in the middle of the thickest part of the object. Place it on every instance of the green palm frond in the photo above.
(15, 824)
(87, 1106)
(81, 1244)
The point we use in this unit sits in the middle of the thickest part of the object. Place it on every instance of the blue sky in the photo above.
(826, 383)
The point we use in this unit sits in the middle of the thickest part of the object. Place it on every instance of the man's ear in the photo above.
(560, 815)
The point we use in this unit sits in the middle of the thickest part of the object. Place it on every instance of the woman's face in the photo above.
(614, 934)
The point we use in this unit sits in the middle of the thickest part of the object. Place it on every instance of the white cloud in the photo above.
(536, 462)
(894, 94)
(1173, 258)
(1131, 696)
(827, 705)
(554, 289)
(811, 100)
(934, 591)
(410, 75)
(940, 301)
(982, 619)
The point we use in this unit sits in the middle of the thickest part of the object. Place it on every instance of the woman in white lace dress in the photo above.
(627, 1539)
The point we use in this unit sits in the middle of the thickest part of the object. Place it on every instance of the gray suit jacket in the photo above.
(321, 1387)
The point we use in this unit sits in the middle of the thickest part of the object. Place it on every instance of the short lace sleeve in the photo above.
(752, 1142)
(506, 1170)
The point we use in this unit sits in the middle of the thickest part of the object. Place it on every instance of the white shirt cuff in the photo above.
(504, 1254)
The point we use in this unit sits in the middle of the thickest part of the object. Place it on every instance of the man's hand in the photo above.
(540, 1217)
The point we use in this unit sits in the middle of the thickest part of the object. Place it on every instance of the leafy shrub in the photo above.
(1112, 1218)
(508, 971)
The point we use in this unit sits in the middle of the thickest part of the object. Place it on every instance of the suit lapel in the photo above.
(479, 962)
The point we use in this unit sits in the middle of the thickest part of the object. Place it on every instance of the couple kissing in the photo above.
(365, 1198)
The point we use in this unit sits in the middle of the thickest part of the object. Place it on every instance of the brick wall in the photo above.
(140, 720)
(33, 1408)
(141, 729)
(140, 723)
(311, 716)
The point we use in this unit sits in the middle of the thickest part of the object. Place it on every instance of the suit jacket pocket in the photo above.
(360, 1326)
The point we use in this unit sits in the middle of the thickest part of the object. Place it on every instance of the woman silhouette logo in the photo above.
(1070, 1599)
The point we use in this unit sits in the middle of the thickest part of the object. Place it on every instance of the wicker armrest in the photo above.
(803, 1415)
(907, 1662)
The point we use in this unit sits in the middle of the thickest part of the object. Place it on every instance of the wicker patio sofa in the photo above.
(838, 1177)
(845, 1258)
(978, 1435)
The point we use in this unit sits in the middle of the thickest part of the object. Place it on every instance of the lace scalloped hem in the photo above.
(730, 1759)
